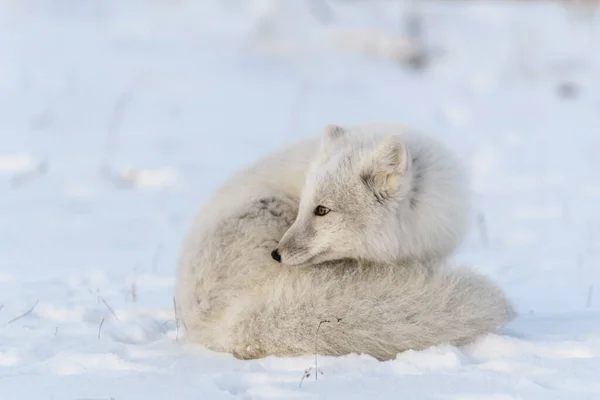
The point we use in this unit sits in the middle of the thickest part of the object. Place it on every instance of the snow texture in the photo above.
(118, 118)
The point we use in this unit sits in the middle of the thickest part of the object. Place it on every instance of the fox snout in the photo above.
(295, 246)
(289, 253)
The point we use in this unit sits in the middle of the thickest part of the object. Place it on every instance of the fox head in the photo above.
(349, 202)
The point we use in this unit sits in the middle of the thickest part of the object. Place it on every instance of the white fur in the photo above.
(232, 296)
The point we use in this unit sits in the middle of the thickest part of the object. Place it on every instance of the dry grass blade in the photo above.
(176, 320)
(306, 374)
(110, 309)
(24, 314)
(316, 348)
(134, 292)
(100, 328)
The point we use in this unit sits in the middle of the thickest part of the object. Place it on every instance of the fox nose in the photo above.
(276, 256)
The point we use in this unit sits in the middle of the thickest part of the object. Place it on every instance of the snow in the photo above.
(118, 118)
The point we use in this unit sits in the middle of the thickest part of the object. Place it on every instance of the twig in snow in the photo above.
(134, 283)
(56, 332)
(100, 328)
(176, 320)
(307, 371)
(24, 314)
(109, 308)
(134, 292)
(590, 296)
(306, 375)
(325, 321)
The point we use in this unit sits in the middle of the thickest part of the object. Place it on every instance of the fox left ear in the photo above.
(330, 136)
(383, 168)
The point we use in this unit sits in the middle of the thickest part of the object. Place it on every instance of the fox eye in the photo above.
(321, 210)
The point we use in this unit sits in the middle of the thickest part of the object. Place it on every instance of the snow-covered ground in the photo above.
(118, 118)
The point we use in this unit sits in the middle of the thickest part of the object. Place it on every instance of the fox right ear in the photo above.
(331, 134)
(384, 167)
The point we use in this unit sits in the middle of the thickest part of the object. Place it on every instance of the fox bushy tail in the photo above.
(379, 310)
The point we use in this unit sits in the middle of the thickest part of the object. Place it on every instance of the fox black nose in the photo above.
(276, 256)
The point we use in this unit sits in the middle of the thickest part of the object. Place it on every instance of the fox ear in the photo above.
(384, 167)
(330, 135)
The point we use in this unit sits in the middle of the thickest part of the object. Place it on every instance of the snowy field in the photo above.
(118, 118)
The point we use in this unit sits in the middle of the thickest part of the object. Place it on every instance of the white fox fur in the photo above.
(381, 297)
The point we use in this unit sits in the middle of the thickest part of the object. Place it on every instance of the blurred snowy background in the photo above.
(119, 117)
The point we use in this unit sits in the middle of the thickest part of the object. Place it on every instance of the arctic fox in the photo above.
(365, 217)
